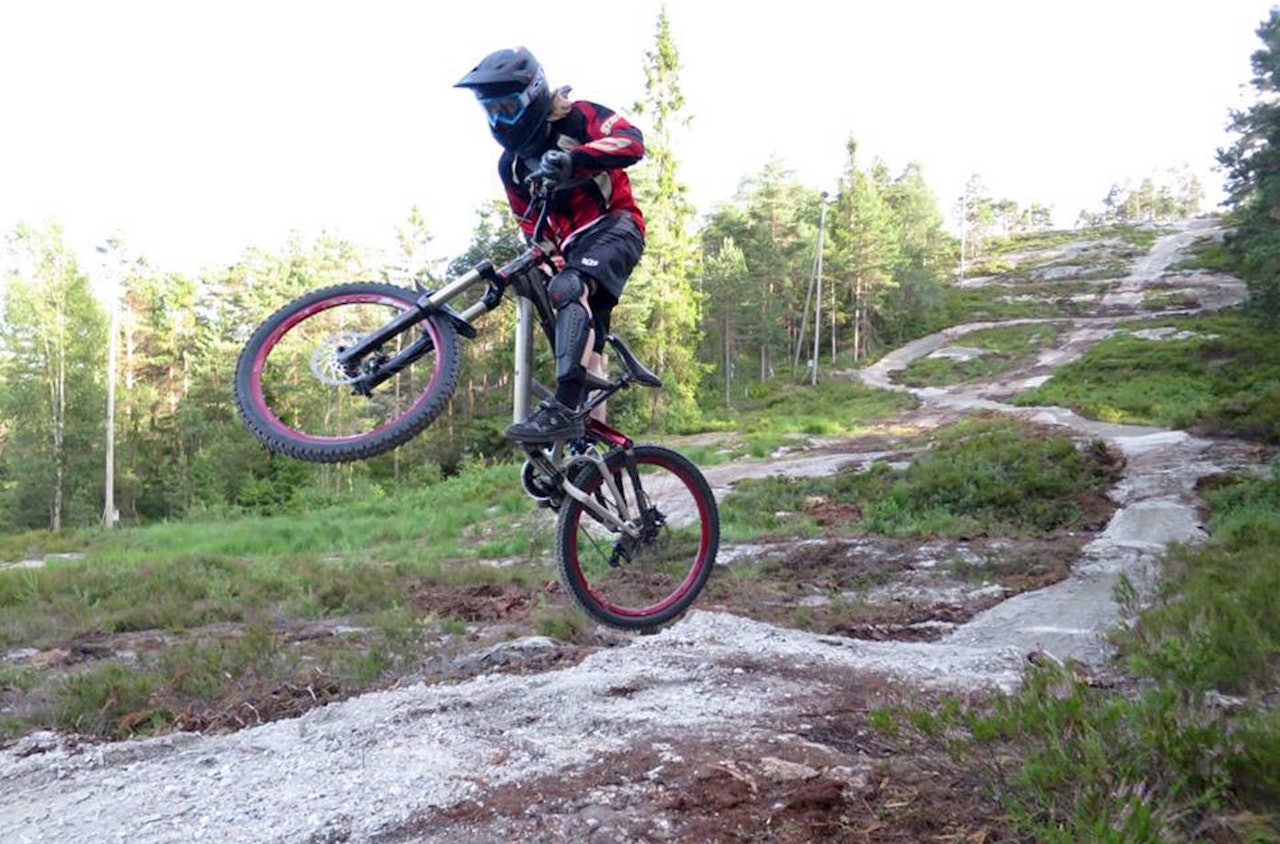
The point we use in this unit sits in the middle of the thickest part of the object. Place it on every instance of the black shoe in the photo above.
(552, 421)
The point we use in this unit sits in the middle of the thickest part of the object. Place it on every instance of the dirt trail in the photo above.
(623, 744)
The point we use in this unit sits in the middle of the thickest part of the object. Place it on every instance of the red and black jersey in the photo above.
(600, 144)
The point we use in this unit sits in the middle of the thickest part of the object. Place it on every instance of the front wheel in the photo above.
(643, 578)
(298, 397)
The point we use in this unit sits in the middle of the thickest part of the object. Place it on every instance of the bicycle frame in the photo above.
(532, 304)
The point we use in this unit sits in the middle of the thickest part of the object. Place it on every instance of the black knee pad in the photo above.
(568, 286)
(572, 325)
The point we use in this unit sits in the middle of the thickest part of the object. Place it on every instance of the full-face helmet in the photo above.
(512, 88)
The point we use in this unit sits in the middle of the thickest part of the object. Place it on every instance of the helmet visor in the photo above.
(505, 108)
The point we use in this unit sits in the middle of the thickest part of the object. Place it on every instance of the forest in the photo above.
(720, 307)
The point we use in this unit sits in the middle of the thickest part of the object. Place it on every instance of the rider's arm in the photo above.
(517, 196)
(612, 142)
(520, 207)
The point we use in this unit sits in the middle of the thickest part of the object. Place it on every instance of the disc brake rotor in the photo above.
(325, 365)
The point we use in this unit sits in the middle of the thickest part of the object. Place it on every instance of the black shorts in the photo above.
(607, 252)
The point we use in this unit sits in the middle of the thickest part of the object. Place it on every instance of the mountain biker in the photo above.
(583, 147)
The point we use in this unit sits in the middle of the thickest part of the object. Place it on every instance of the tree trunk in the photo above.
(728, 372)
(833, 323)
(857, 316)
(59, 433)
(395, 453)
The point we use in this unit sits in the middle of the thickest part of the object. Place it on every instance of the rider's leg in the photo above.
(601, 304)
(557, 420)
(569, 291)
(606, 254)
(595, 365)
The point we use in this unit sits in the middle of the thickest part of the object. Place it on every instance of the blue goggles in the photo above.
(506, 108)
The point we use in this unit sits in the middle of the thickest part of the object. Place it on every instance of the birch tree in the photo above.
(52, 350)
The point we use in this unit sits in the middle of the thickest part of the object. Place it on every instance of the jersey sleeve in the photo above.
(611, 143)
(518, 198)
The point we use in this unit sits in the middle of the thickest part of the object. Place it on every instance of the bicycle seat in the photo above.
(638, 371)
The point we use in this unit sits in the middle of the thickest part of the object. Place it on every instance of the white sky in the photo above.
(197, 129)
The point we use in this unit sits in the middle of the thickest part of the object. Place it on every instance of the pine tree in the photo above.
(865, 246)
(772, 221)
(725, 276)
(413, 237)
(1253, 179)
(659, 311)
(778, 253)
(916, 303)
(159, 332)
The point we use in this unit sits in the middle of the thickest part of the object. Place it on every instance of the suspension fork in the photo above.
(428, 303)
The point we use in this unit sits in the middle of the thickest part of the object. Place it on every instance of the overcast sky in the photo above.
(197, 129)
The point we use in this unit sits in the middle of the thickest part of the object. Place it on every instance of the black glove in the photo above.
(557, 166)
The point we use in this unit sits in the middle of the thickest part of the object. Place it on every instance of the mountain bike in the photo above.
(351, 371)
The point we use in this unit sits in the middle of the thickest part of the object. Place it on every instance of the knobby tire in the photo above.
(277, 434)
(591, 585)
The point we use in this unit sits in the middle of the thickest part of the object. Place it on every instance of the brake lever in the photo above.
(540, 183)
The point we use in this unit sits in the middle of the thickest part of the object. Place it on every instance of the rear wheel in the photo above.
(298, 398)
(647, 577)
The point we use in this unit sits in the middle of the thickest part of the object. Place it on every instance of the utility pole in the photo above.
(815, 279)
(109, 514)
(804, 322)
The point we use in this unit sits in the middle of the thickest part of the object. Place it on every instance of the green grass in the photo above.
(212, 681)
(1008, 347)
(225, 591)
(997, 302)
(1143, 237)
(357, 557)
(1140, 238)
(709, 455)
(1226, 381)
(778, 412)
(1208, 253)
(1155, 301)
(33, 544)
(981, 477)
(1226, 594)
(1160, 758)
(224, 595)
(1033, 240)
